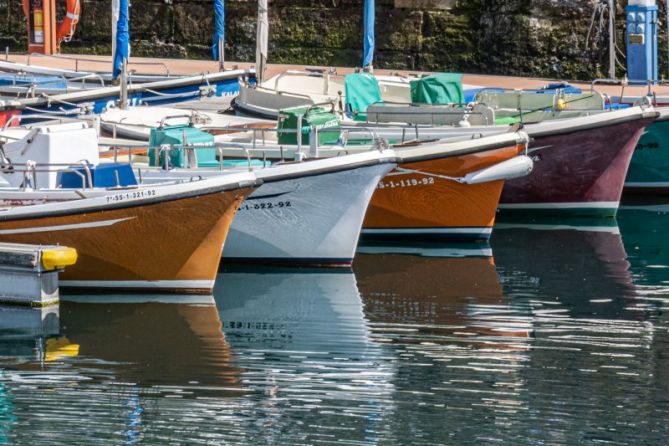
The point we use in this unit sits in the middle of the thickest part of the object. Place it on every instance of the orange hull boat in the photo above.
(163, 241)
(421, 199)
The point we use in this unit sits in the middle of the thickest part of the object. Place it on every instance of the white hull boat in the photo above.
(309, 221)
(295, 88)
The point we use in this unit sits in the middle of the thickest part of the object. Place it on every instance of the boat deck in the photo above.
(143, 65)
(214, 104)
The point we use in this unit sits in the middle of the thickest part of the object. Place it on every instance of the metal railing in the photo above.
(77, 60)
(31, 169)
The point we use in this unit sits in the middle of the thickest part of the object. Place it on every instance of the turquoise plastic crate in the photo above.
(177, 136)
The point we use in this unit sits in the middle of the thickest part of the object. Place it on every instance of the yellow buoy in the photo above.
(561, 104)
(58, 257)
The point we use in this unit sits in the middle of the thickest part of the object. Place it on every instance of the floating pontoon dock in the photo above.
(29, 273)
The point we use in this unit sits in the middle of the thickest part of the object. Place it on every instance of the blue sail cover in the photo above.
(122, 38)
(219, 27)
(368, 38)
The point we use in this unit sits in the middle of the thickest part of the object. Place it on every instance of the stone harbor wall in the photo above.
(516, 37)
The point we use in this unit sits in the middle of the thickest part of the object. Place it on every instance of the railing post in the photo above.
(298, 134)
(313, 142)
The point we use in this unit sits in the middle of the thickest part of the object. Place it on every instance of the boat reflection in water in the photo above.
(445, 291)
(581, 265)
(645, 230)
(595, 347)
(646, 238)
(24, 331)
(157, 344)
(549, 333)
(303, 340)
(560, 338)
(139, 371)
(461, 344)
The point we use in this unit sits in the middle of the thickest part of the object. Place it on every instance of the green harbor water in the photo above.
(552, 335)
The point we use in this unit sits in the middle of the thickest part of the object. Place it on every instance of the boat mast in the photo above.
(218, 47)
(368, 38)
(262, 38)
(121, 47)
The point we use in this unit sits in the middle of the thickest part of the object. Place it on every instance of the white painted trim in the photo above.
(105, 198)
(578, 205)
(252, 108)
(428, 231)
(647, 184)
(448, 252)
(664, 208)
(95, 224)
(540, 227)
(160, 284)
(189, 299)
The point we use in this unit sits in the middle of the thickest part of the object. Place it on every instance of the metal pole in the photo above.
(262, 36)
(298, 155)
(612, 40)
(124, 85)
(221, 54)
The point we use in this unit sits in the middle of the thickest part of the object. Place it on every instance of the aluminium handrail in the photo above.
(30, 169)
(83, 59)
(304, 73)
(57, 117)
(166, 148)
(162, 121)
(283, 93)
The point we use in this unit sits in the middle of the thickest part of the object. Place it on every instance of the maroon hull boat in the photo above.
(580, 164)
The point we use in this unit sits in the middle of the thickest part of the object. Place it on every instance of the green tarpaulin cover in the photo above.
(327, 123)
(441, 88)
(362, 90)
(507, 120)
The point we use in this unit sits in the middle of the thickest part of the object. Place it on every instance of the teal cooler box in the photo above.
(311, 117)
(178, 136)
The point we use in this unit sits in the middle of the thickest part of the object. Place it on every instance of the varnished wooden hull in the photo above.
(169, 244)
(416, 200)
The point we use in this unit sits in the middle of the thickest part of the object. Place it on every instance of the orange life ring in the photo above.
(65, 29)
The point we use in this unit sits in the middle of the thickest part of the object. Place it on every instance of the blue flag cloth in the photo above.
(368, 38)
(122, 38)
(219, 27)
